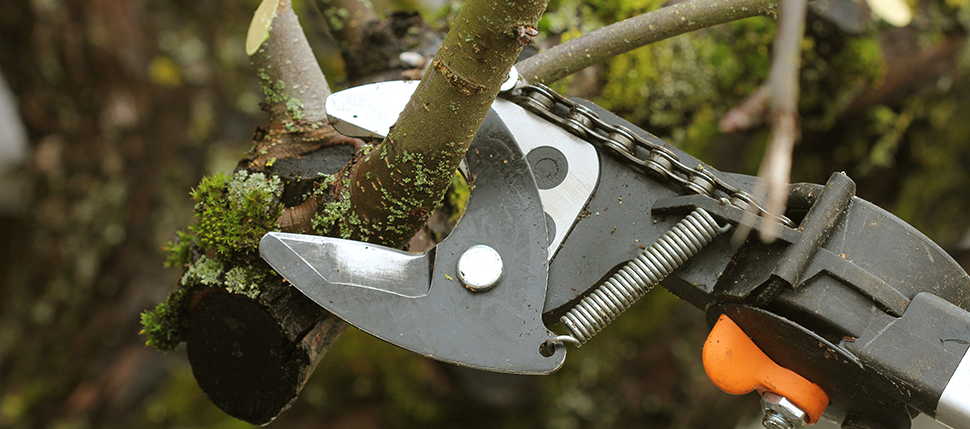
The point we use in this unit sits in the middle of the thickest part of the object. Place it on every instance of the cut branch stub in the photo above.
(252, 357)
(239, 352)
(293, 84)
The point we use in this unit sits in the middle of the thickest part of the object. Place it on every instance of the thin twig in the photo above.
(750, 113)
(624, 36)
(775, 168)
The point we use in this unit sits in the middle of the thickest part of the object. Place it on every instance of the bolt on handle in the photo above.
(780, 413)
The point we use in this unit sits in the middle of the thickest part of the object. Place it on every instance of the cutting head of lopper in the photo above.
(474, 300)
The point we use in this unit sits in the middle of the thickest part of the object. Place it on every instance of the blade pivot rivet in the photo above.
(479, 268)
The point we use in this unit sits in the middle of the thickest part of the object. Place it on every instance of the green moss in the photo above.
(178, 252)
(234, 213)
(161, 325)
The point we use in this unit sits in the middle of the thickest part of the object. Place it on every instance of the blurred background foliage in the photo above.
(127, 104)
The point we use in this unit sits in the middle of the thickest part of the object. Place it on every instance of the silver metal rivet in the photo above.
(480, 268)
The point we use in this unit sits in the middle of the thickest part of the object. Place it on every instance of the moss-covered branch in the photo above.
(597, 46)
(219, 250)
(227, 292)
(393, 189)
(384, 198)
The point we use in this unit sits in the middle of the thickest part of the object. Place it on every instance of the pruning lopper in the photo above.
(850, 314)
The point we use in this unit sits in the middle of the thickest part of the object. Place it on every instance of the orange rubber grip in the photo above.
(737, 366)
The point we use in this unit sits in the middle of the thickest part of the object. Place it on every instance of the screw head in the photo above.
(480, 268)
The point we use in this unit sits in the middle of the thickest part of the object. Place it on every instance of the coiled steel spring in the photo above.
(640, 275)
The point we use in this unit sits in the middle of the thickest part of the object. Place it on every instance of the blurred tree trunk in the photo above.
(121, 100)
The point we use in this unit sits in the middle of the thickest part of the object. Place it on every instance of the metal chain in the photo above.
(660, 162)
(665, 255)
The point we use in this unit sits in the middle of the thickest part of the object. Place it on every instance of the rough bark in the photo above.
(69, 352)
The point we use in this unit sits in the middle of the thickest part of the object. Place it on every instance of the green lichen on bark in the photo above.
(220, 250)
(330, 215)
(274, 91)
(245, 280)
(295, 108)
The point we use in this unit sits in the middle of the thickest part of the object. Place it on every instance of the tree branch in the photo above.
(776, 167)
(294, 88)
(624, 36)
(395, 187)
